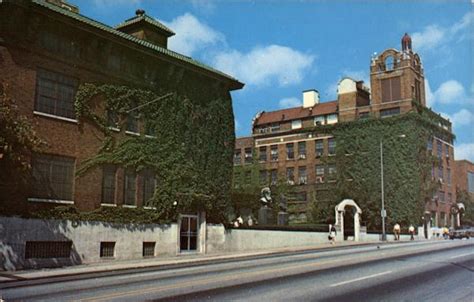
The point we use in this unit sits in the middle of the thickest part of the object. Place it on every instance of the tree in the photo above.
(467, 199)
(18, 141)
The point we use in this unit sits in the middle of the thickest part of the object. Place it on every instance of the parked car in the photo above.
(459, 234)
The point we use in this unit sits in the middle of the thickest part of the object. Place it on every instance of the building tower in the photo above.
(396, 79)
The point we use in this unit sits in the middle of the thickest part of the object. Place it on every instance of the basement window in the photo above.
(107, 249)
(48, 249)
(149, 249)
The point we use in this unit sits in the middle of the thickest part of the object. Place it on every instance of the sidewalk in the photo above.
(115, 266)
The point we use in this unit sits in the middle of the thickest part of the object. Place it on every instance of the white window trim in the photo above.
(108, 205)
(70, 120)
(114, 129)
(129, 206)
(132, 133)
(150, 136)
(46, 200)
(149, 208)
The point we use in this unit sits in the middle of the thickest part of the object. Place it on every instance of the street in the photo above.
(406, 271)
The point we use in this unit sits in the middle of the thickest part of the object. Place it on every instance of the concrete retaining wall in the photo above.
(86, 238)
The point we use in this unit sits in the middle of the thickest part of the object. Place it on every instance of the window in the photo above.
(319, 147)
(296, 124)
(275, 127)
(446, 151)
(440, 171)
(391, 89)
(439, 149)
(470, 182)
(389, 63)
(149, 185)
(441, 196)
(363, 115)
(262, 154)
(48, 249)
(290, 176)
(263, 177)
(237, 157)
(319, 120)
(108, 184)
(448, 176)
(434, 218)
(247, 177)
(150, 129)
(132, 123)
(302, 177)
(450, 197)
(319, 173)
(148, 249)
(290, 152)
(107, 249)
(301, 150)
(129, 188)
(389, 112)
(332, 171)
(429, 144)
(112, 119)
(331, 146)
(274, 177)
(53, 177)
(331, 119)
(55, 94)
(248, 155)
(274, 152)
(442, 219)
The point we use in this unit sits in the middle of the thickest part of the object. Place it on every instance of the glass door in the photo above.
(188, 233)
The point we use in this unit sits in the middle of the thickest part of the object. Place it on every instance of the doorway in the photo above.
(188, 233)
(349, 231)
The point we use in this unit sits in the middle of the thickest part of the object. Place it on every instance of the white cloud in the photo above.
(264, 65)
(289, 102)
(449, 92)
(463, 117)
(236, 125)
(464, 151)
(192, 35)
(429, 38)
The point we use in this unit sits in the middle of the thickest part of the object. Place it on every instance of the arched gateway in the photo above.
(340, 211)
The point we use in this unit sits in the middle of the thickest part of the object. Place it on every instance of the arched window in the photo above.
(389, 63)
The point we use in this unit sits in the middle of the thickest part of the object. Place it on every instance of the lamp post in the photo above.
(383, 213)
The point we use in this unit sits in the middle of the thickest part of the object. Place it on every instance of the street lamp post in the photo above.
(383, 213)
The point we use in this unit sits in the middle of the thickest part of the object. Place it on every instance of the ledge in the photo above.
(65, 119)
(132, 133)
(108, 205)
(51, 200)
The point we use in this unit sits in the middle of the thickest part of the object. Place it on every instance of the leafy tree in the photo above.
(17, 142)
(467, 199)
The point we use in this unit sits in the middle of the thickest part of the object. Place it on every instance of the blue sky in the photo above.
(280, 48)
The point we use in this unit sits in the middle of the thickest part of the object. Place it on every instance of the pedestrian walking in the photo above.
(332, 234)
(411, 229)
(396, 231)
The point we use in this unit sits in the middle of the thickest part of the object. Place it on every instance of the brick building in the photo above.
(47, 49)
(464, 176)
(296, 144)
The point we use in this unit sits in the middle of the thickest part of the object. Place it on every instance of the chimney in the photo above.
(310, 98)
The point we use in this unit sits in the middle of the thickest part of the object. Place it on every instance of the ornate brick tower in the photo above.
(396, 78)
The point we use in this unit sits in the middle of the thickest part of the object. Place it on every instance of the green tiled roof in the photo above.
(131, 38)
(146, 19)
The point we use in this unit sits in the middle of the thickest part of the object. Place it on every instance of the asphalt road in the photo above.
(418, 271)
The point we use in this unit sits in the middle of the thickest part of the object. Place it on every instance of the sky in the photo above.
(279, 48)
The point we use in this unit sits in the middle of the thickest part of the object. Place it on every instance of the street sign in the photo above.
(383, 213)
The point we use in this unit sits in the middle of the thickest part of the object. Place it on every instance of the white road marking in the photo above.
(362, 278)
(462, 255)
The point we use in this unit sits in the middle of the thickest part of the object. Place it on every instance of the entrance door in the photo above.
(188, 233)
(349, 223)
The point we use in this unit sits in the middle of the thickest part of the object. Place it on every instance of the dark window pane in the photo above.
(53, 177)
(129, 187)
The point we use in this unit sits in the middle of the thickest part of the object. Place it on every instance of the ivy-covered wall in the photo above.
(408, 183)
(190, 151)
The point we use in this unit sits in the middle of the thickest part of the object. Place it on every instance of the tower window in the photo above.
(389, 63)
(391, 90)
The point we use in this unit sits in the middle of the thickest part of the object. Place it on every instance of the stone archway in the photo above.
(339, 212)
